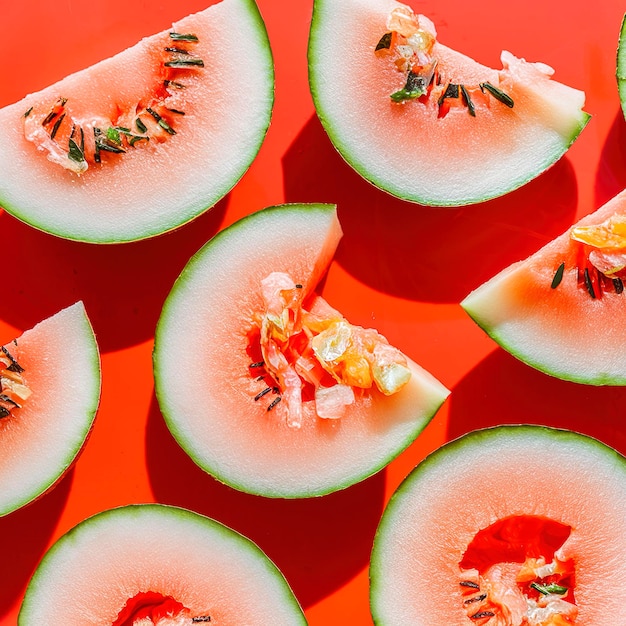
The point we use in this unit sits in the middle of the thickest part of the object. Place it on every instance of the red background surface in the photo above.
(401, 268)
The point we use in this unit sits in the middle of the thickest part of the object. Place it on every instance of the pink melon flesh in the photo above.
(39, 441)
(206, 387)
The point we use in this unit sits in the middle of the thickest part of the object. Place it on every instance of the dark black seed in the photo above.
(258, 378)
(257, 364)
(28, 112)
(201, 618)
(468, 101)
(173, 83)
(275, 390)
(4, 412)
(298, 286)
(589, 284)
(8, 400)
(273, 403)
(384, 43)
(262, 393)
(55, 128)
(75, 153)
(183, 37)
(141, 127)
(479, 598)
(177, 50)
(177, 111)
(482, 614)
(469, 583)
(135, 138)
(48, 118)
(452, 91)
(618, 285)
(184, 63)
(14, 366)
(161, 122)
(549, 588)
(558, 276)
(498, 94)
(82, 140)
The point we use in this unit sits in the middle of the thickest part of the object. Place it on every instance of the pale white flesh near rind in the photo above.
(562, 332)
(93, 570)
(403, 148)
(472, 482)
(621, 66)
(41, 440)
(154, 187)
(205, 388)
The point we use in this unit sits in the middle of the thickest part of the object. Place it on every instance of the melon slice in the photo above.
(310, 425)
(147, 140)
(155, 564)
(49, 394)
(621, 65)
(562, 309)
(497, 528)
(424, 122)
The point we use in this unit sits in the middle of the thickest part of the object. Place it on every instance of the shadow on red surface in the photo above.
(611, 174)
(123, 286)
(318, 543)
(503, 390)
(19, 557)
(424, 253)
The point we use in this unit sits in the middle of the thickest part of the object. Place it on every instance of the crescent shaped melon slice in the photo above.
(49, 395)
(473, 134)
(150, 563)
(562, 309)
(144, 141)
(234, 418)
(621, 65)
(509, 525)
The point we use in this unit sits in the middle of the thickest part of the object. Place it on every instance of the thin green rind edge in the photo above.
(620, 72)
(601, 379)
(476, 438)
(91, 346)
(202, 205)
(324, 117)
(170, 419)
(103, 517)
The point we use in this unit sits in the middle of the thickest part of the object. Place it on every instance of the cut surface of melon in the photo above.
(409, 148)
(206, 387)
(203, 568)
(219, 113)
(564, 331)
(568, 486)
(40, 440)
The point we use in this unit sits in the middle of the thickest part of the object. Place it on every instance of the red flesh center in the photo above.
(148, 604)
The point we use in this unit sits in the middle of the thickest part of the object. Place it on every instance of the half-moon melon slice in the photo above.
(307, 426)
(155, 564)
(427, 123)
(510, 525)
(49, 395)
(144, 141)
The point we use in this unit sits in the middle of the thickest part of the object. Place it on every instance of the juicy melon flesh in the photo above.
(40, 440)
(157, 185)
(485, 477)
(92, 572)
(408, 149)
(562, 331)
(206, 388)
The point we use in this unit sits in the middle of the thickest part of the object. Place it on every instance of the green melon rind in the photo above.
(202, 204)
(44, 574)
(434, 391)
(327, 116)
(621, 65)
(446, 455)
(85, 334)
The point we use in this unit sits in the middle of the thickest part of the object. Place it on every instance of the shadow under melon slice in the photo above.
(562, 309)
(49, 394)
(157, 564)
(509, 525)
(146, 140)
(232, 413)
(425, 122)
